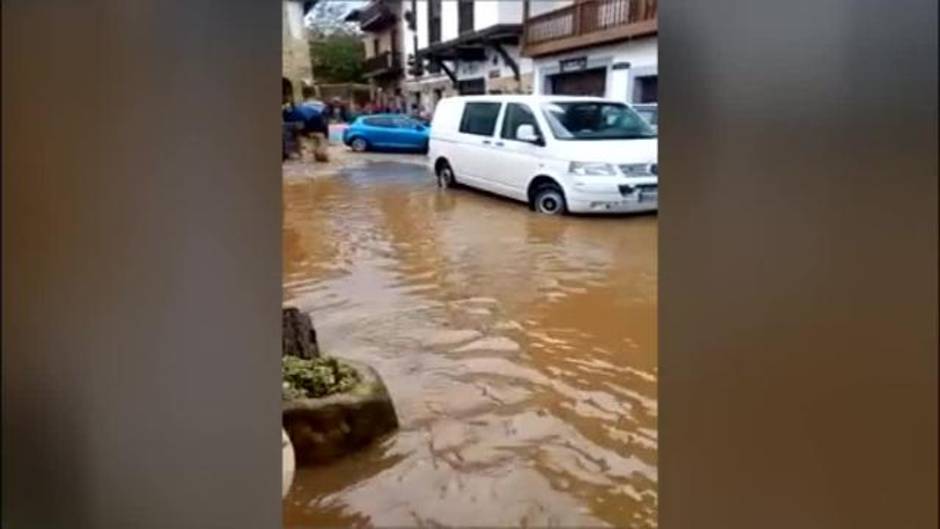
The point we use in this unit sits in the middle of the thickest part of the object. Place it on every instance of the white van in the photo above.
(557, 153)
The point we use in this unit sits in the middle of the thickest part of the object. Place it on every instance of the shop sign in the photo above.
(573, 65)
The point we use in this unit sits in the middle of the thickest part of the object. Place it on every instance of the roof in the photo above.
(496, 33)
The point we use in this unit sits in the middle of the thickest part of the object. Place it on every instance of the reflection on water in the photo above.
(520, 351)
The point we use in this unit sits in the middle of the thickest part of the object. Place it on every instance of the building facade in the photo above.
(296, 66)
(383, 40)
(605, 48)
(463, 47)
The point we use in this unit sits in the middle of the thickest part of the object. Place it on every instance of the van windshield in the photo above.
(595, 120)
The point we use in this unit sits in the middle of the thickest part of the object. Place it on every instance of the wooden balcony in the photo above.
(385, 63)
(588, 23)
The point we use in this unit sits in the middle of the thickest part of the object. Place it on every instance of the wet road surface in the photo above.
(519, 349)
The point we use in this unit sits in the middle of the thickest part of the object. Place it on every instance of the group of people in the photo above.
(307, 123)
(396, 108)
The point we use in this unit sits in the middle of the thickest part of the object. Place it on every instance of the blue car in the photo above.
(386, 132)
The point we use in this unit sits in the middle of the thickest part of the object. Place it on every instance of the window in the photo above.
(375, 47)
(383, 122)
(434, 21)
(464, 16)
(479, 118)
(577, 120)
(518, 114)
(469, 87)
(645, 89)
(405, 123)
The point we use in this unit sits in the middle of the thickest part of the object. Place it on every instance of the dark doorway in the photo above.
(585, 83)
(469, 87)
(645, 89)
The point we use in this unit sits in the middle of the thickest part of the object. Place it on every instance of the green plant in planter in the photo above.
(316, 377)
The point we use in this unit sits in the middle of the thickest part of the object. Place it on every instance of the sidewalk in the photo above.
(340, 157)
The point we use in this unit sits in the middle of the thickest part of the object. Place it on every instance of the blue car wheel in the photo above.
(359, 144)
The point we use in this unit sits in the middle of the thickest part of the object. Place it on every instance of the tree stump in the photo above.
(298, 338)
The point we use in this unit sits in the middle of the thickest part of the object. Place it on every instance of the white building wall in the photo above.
(485, 14)
(509, 12)
(385, 42)
(448, 20)
(537, 7)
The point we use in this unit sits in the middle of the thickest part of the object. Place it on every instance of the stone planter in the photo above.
(323, 429)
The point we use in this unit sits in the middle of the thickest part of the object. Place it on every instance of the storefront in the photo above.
(486, 61)
(585, 81)
(626, 71)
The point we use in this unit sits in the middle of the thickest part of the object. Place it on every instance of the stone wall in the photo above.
(506, 84)
(427, 90)
(295, 48)
(509, 85)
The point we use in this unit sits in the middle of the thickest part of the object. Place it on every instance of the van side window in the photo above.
(479, 118)
(518, 114)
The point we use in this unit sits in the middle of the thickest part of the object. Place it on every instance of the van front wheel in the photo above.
(549, 199)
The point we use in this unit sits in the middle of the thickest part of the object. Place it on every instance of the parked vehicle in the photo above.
(386, 131)
(557, 153)
(649, 112)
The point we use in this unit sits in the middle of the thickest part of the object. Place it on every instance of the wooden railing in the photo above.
(386, 60)
(586, 17)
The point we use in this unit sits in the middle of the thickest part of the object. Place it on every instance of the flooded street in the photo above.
(519, 349)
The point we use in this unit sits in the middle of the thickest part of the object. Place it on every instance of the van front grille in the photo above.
(639, 169)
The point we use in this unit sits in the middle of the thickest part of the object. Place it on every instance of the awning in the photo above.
(472, 45)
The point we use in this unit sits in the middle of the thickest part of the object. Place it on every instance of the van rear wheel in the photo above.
(549, 199)
(445, 176)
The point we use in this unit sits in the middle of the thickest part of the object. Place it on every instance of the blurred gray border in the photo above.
(141, 264)
(798, 251)
(798, 264)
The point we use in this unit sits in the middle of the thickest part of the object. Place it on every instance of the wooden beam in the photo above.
(448, 71)
(507, 59)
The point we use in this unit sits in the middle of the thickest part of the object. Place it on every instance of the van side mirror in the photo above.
(527, 133)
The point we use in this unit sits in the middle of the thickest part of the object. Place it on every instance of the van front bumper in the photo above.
(610, 197)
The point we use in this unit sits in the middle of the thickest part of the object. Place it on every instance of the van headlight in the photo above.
(592, 169)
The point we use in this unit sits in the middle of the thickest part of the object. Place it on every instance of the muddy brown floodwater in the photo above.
(520, 351)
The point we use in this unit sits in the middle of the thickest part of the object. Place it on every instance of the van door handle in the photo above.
(486, 142)
(498, 144)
